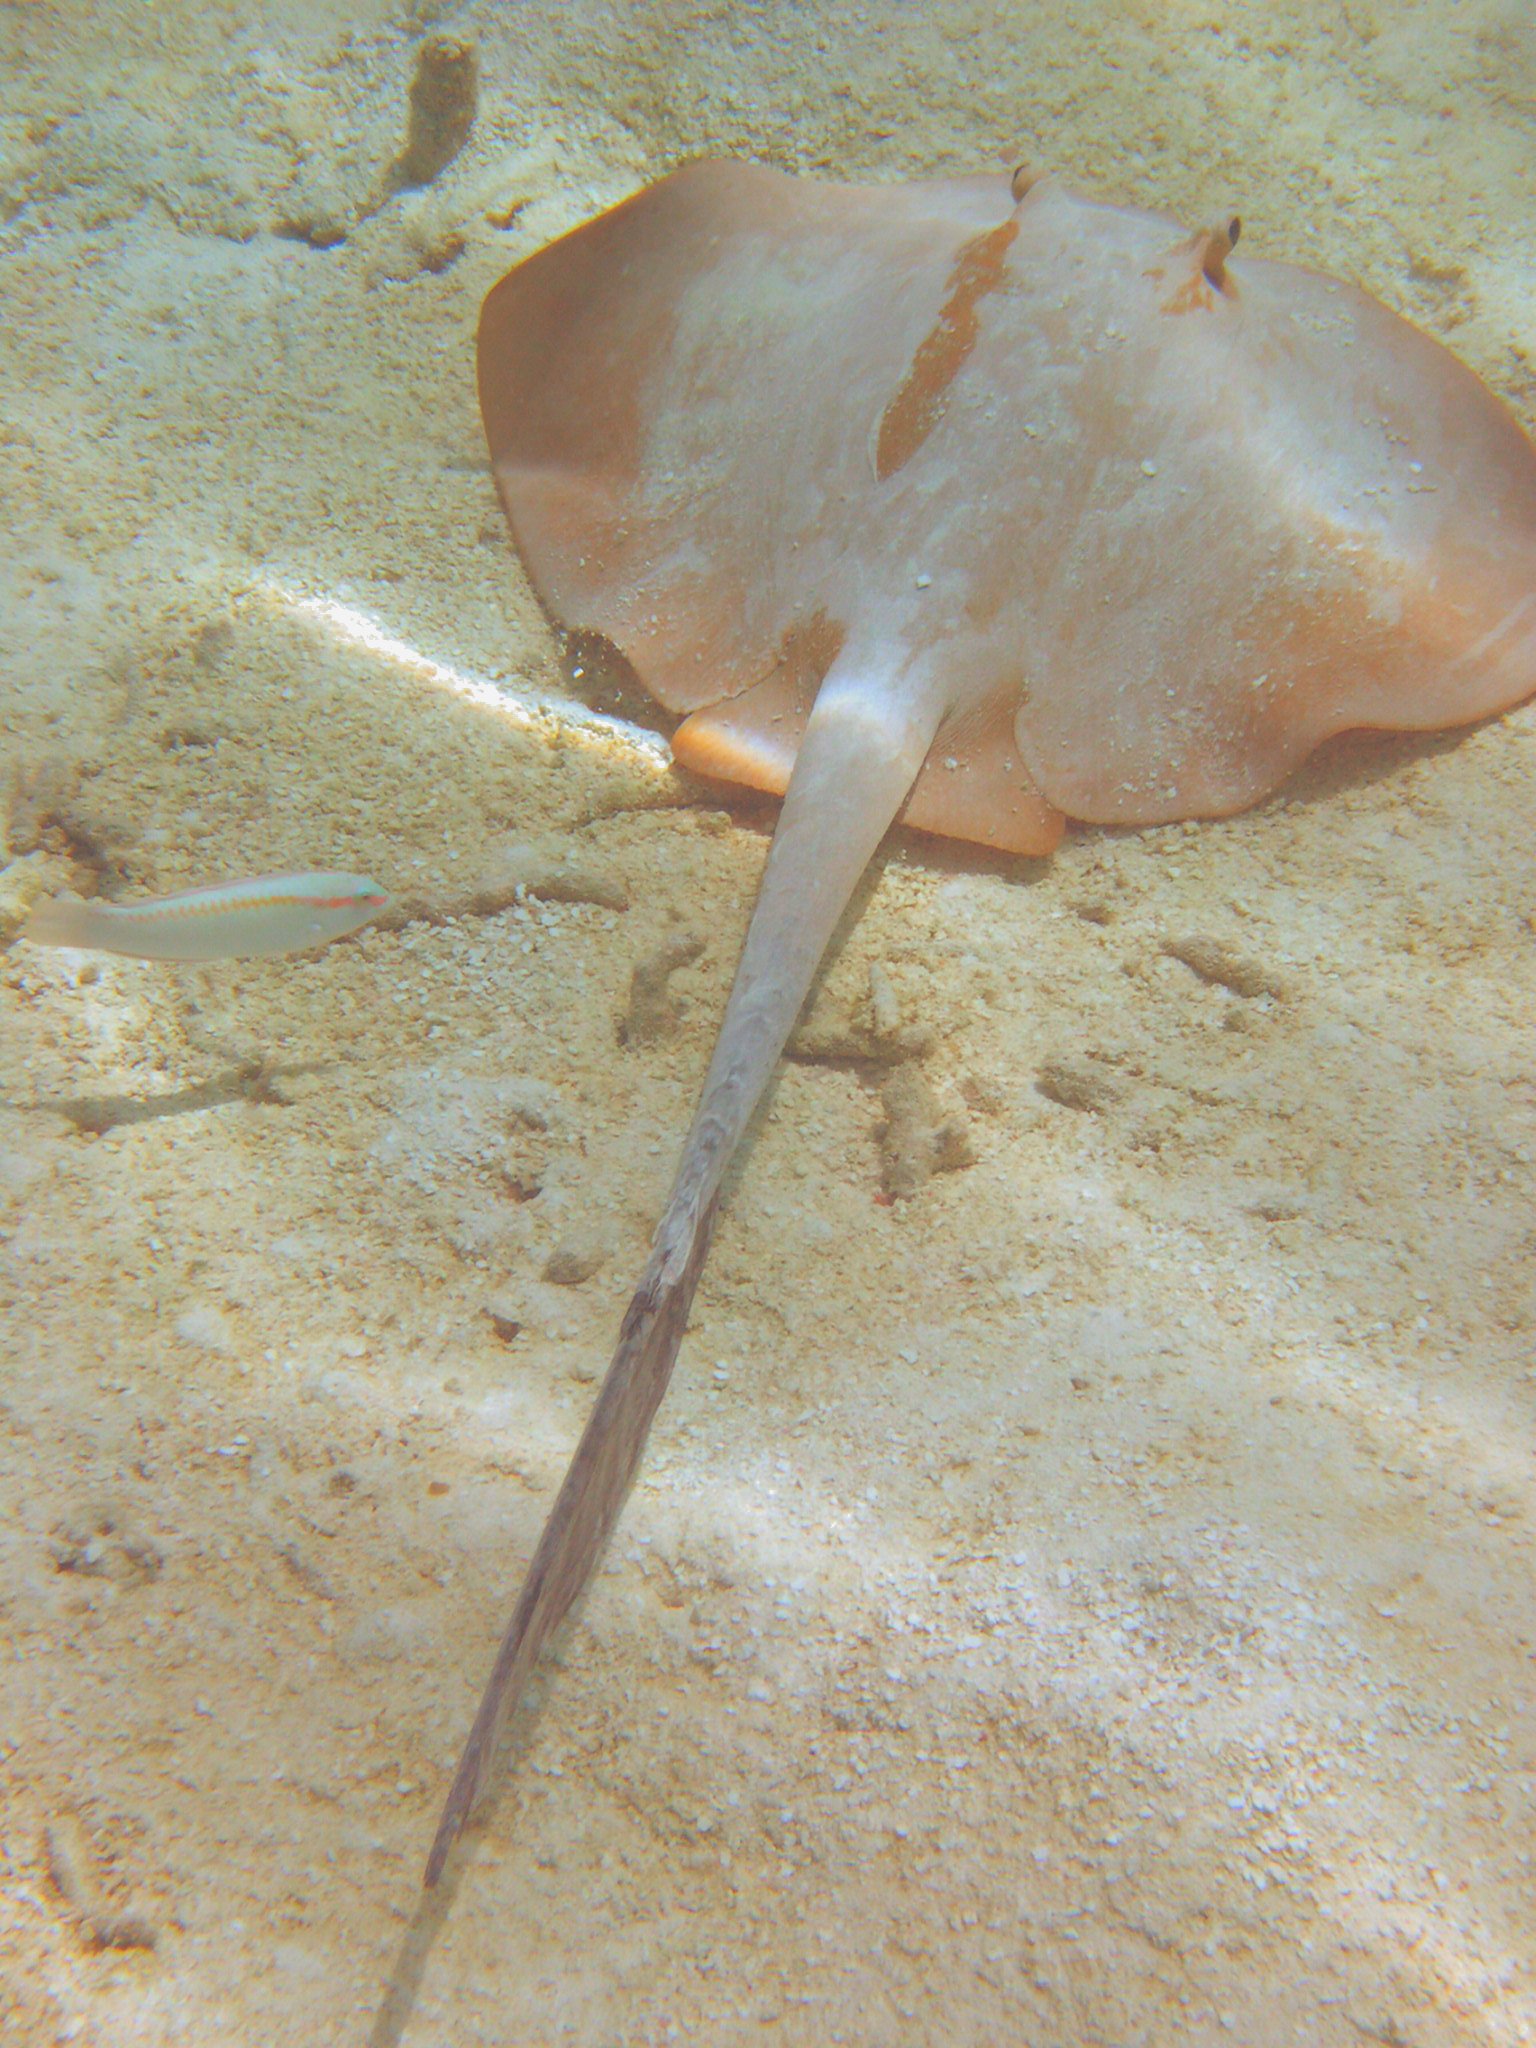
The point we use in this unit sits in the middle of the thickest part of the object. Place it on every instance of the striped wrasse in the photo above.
(249, 920)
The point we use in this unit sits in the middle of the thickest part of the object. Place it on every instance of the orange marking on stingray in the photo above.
(915, 410)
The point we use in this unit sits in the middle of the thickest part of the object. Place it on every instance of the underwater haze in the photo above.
(1079, 1586)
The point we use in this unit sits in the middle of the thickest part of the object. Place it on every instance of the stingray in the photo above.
(977, 505)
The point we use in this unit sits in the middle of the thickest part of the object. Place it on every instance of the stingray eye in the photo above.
(1022, 181)
(1217, 246)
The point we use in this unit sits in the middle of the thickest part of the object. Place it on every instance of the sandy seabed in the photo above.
(1087, 1602)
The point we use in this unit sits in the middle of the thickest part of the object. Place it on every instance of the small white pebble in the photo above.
(205, 1327)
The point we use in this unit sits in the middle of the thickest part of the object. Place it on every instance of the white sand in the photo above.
(1089, 1603)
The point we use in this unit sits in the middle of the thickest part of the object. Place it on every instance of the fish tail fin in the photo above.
(60, 921)
(854, 768)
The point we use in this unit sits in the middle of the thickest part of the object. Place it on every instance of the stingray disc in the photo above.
(1161, 517)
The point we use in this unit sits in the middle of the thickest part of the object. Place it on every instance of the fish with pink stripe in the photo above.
(249, 920)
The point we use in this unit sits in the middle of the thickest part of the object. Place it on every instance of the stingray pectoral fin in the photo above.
(754, 736)
(863, 745)
(974, 785)
(752, 739)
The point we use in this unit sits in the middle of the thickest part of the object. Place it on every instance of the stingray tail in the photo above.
(855, 765)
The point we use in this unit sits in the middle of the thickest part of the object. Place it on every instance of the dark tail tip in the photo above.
(588, 1502)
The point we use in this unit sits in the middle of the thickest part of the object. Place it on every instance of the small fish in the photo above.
(249, 920)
